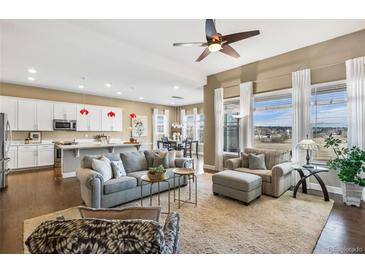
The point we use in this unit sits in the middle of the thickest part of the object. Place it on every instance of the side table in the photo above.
(188, 173)
(312, 171)
(147, 179)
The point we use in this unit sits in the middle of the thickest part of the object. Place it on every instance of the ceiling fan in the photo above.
(218, 42)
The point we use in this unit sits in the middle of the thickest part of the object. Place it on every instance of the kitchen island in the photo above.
(68, 157)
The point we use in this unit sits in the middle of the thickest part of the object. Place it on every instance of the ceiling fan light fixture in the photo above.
(215, 47)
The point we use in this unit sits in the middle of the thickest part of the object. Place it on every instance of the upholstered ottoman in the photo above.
(237, 185)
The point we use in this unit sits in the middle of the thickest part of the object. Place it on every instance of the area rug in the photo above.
(222, 225)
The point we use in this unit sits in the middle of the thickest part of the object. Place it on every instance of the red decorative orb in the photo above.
(111, 114)
(84, 111)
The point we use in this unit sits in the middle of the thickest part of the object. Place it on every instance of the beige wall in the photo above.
(326, 61)
(63, 96)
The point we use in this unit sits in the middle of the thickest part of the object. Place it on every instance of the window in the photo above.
(328, 115)
(200, 127)
(273, 119)
(160, 125)
(231, 125)
(190, 120)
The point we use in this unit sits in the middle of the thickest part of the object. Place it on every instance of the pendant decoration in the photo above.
(111, 114)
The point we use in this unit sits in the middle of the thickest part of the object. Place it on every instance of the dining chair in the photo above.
(166, 143)
(188, 145)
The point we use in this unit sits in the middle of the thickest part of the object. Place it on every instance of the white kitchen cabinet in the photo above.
(45, 155)
(111, 123)
(27, 156)
(27, 114)
(90, 122)
(13, 155)
(65, 111)
(9, 105)
(44, 113)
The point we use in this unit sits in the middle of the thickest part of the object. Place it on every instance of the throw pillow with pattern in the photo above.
(118, 169)
(160, 158)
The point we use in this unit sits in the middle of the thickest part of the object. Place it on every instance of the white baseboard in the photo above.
(68, 174)
(331, 189)
(209, 167)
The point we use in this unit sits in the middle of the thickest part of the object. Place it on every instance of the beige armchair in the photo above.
(276, 179)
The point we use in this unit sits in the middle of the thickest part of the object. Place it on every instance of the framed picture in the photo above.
(35, 136)
(139, 126)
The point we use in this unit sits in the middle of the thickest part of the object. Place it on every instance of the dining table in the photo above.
(179, 144)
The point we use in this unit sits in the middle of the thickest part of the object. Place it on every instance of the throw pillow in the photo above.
(256, 161)
(143, 213)
(160, 158)
(179, 154)
(118, 169)
(103, 167)
(171, 155)
(244, 159)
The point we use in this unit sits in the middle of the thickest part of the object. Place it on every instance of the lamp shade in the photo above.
(307, 144)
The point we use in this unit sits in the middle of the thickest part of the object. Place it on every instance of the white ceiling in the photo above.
(137, 56)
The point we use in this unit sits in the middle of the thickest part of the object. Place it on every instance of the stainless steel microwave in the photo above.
(64, 124)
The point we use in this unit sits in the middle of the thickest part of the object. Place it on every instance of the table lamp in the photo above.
(308, 145)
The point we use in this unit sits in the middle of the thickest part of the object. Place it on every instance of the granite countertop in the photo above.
(93, 145)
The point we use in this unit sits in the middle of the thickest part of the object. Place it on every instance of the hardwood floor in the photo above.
(31, 194)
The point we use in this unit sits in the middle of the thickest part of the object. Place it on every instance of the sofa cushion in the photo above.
(272, 157)
(85, 236)
(113, 156)
(244, 159)
(143, 213)
(237, 180)
(161, 158)
(134, 161)
(103, 167)
(150, 155)
(265, 174)
(119, 184)
(86, 161)
(256, 161)
(118, 169)
(171, 155)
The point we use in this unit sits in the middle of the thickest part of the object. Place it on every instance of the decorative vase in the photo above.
(156, 177)
(351, 194)
(131, 140)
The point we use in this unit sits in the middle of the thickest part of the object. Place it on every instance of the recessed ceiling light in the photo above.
(31, 78)
(108, 85)
(141, 98)
(119, 93)
(172, 103)
(81, 86)
(176, 87)
(32, 71)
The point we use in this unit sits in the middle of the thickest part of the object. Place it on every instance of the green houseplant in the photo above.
(156, 173)
(350, 164)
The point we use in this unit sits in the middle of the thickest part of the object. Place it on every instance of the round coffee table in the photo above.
(147, 179)
(189, 174)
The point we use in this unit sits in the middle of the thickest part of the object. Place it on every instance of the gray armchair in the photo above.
(97, 193)
(276, 179)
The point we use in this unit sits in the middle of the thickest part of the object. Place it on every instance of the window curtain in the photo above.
(219, 128)
(246, 132)
(167, 123)
(195, 130)
(301, 82)
(183, 123)
(355, 76)
(154, 128)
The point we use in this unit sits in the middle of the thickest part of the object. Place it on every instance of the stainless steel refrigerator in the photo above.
(5, 140)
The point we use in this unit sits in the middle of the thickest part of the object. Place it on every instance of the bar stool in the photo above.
(189, 175)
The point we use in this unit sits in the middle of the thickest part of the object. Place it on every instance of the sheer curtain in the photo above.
(182, 121)
(246, 132)
(167, 123)
(154, 128)
(355, 76)
(219, 124)
(301, 82)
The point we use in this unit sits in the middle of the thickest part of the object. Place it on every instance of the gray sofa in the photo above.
(276, 179)
(99, 194)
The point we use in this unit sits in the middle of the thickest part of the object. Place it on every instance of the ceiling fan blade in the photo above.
(234, 37)
(192, 44)
(227, 49)
(203, 55)
(209, 28)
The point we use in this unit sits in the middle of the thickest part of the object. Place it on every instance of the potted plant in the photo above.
(349, 163)
(156, 173)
